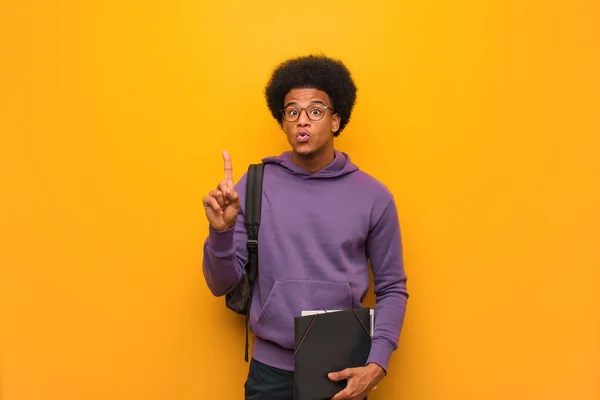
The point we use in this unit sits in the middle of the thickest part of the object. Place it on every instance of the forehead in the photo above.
(306, 95)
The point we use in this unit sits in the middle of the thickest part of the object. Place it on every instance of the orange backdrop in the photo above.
(480, 116)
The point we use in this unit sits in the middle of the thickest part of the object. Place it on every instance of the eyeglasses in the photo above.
(315, 112)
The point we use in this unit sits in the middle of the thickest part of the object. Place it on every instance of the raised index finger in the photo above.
(228, 167)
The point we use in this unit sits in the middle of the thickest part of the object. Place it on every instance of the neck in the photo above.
(314, 162)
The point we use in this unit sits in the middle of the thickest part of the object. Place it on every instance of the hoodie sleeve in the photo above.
(384, 249)
(225, 252)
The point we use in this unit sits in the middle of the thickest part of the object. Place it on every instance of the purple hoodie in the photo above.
(317, 235)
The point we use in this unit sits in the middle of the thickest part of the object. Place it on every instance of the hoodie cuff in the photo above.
(380, 354)
(221, 243)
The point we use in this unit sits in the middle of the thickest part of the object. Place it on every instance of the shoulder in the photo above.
(372, 185)
(240, 185)
(374, 193)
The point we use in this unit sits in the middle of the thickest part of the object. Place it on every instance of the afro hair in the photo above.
(314, 72)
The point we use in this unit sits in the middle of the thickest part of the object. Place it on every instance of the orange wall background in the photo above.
(480, 116)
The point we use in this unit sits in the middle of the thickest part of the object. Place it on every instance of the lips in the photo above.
(302, 136)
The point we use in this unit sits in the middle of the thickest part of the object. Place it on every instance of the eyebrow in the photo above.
(293, 103)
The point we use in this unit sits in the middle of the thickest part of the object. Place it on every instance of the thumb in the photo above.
(341, 375)
(231, 212)
(234, 198)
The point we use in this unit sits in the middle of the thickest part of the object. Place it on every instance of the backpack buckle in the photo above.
(252, 244)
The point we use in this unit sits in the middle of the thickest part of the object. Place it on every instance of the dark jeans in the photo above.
(268, 383)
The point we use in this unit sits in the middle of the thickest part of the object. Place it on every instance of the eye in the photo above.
(292, 112)
(316, 110)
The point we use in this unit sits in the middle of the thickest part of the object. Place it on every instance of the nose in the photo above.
(303, 119)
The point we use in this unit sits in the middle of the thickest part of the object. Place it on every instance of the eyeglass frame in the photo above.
(305, 109)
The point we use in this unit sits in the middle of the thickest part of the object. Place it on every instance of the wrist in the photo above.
(224, 228)
(376, 369)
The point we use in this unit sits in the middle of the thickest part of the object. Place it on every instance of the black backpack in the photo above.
(239, 299)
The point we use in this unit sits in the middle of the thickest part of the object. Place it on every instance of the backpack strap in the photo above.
(252, 218)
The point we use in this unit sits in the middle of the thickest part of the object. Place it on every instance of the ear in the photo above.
(335, 123)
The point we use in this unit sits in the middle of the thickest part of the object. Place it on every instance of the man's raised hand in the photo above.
(222, 205)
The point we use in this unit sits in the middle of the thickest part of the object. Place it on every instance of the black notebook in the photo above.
(325, 343)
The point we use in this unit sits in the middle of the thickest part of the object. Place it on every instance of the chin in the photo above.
(304, 151)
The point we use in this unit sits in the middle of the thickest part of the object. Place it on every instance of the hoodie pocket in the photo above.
(288, 298)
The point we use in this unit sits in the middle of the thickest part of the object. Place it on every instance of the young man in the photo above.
(323, 221)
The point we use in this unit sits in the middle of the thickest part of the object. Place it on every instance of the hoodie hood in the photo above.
(341, 165)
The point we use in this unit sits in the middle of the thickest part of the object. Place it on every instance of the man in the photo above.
(323, 221)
